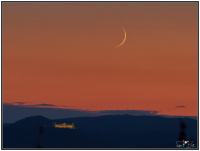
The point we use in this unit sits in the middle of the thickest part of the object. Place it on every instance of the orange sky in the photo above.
(65, 54)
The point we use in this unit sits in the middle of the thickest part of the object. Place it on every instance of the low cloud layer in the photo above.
(15, 111)
(181, 106)
(15, 103)
(12, 113)
(130, 112)
(42, 105)
(27, 104)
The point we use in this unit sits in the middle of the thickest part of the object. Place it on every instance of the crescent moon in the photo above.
(124, 38)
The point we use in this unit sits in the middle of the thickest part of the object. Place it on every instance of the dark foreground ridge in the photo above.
(109, 131)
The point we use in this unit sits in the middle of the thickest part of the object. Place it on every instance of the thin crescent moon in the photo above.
(124, 38)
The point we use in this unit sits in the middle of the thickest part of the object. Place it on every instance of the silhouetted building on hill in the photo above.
(64, 125)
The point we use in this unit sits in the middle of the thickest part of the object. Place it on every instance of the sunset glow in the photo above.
(64, 55)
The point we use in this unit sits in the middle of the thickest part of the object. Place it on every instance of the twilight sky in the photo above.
(65, 55)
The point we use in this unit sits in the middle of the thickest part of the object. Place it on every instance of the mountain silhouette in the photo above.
(33, 121)
(109, 131)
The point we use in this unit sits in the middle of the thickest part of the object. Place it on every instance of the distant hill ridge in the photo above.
(32, 121)
(108, 131)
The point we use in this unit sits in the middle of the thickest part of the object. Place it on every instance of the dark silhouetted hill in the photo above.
(109, 131)
(33, 121)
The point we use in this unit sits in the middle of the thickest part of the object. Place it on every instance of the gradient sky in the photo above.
(65, 54)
